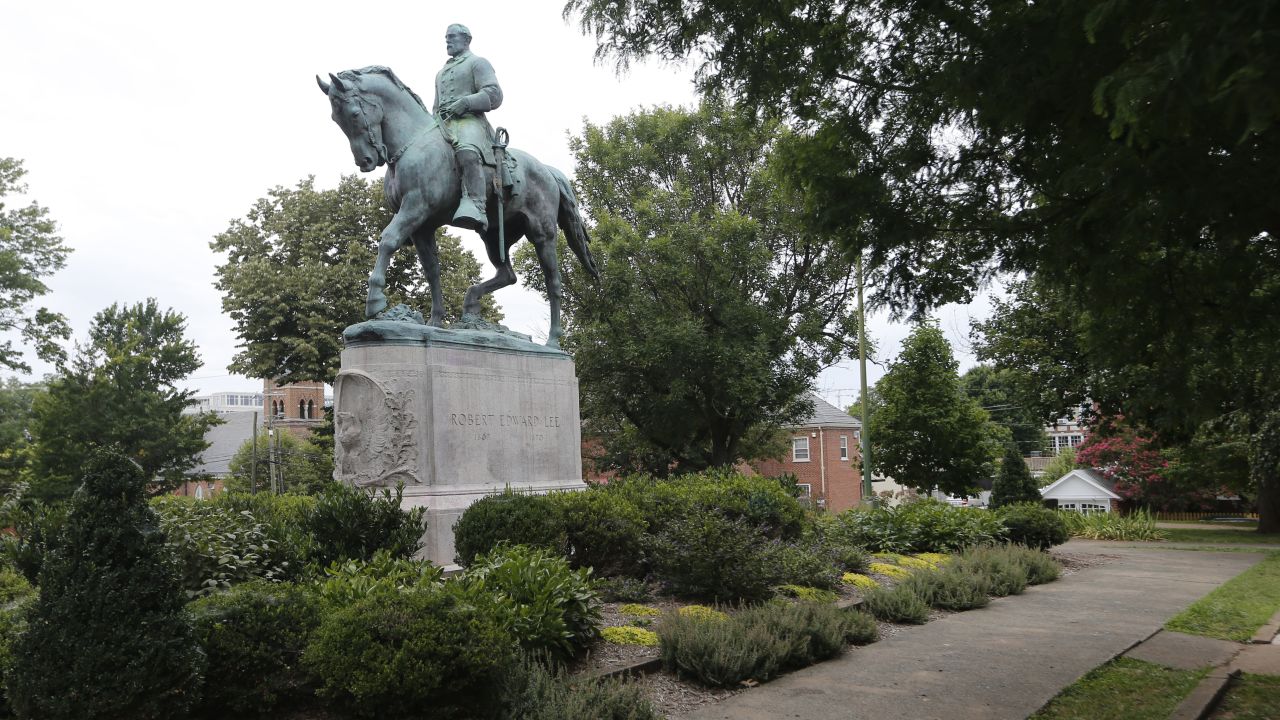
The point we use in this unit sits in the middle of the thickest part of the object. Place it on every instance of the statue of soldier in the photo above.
(467, 88)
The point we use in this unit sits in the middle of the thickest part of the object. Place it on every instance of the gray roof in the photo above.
(827, 415)
(1099, 478)
(225, 440)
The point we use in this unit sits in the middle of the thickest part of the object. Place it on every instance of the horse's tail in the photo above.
(571, 223)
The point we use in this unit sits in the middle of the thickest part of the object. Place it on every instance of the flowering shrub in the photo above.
(862, 582)
(630, 636)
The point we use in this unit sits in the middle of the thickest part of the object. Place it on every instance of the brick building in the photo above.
(824, 458)
(297, 407)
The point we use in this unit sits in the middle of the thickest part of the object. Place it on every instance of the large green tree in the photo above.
(30, 251)
(715, 309)
(16, 399)
(1124, 152)
(296, 270)
(1000, 393)
(306, 469)
(926, 432)
(120, 390)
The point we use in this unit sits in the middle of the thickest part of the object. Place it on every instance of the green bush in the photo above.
(215, 547)
(916, 527)
(253, 636)
(760, 502)
(13, 622)
(797, 564)
(36, 527)
(548, 607)
(1014, 484)
(898, 604)
(1033, 525)
(1138, 525)
(1003, 573)
(1039, 566)
(950, 588)
(862, 628)
(285, 520)
(513, 517)
(703, 554)
(13, 586)
(108, 635)
(532, 691)
(351, 580)
(623, 589)
(349, 523)
(418, 654)
(604, 531)
(757, 643)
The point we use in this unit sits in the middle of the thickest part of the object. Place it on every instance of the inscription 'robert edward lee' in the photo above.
(472, 420)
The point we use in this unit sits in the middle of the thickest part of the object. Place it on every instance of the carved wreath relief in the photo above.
(374, 428)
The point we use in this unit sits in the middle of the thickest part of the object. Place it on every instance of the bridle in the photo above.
(375, 140)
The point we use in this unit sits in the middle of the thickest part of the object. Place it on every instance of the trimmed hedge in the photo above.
(512, 517)
(1033, 525)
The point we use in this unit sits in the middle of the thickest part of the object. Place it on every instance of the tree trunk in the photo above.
(1264, 467)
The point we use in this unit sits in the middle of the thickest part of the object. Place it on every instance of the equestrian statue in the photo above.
(449, 167)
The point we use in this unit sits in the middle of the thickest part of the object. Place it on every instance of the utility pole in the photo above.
(864, 435)
(253, 465)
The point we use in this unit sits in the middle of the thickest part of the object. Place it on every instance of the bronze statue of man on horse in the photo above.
(442, 169)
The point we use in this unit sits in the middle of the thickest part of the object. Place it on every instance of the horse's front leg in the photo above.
(424, 240)
(394, 237)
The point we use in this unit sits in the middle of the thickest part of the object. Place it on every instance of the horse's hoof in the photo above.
(553, 343)
(373, 306)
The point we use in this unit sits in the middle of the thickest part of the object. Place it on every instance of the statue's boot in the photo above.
(471, 211)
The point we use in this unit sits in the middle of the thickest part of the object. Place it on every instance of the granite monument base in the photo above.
(453, 416)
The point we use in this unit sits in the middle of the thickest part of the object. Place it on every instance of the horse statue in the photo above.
(388, 124)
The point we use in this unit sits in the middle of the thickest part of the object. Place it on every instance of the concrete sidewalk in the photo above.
(1003, 661)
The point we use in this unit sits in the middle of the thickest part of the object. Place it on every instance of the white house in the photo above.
(1083, 490)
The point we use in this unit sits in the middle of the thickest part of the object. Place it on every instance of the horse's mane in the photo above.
(388, 74)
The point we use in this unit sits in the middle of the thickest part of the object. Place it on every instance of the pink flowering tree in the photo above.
(1143, 474)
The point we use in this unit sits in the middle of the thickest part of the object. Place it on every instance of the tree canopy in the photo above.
(715, 308)
(120, 390)
(1124, 153)
(1001, 393)
(296, 271)
(306, 469)
(925, 431)
(30, 251)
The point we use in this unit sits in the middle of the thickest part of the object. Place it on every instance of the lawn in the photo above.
(1215, 535)
(1252, 697)
(1123, 689)
(1237, 608)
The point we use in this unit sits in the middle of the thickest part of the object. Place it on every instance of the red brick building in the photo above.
(824, 458)
(297, 407)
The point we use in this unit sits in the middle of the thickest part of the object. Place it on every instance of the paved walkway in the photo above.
(1003, 661)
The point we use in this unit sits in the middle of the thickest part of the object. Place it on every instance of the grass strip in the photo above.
(1210, 535)
(1123, 689)
(1252, 697)
(1237, 608)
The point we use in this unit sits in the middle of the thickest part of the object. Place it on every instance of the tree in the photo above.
(715, 310)
(1014, 484)
(108, 636)
(30, 250)
(306, 468)
(120, 390)
(1123, 152)
(296, 272)
(925, 431)
(999, 392)
(16, 399)
(1061, 464)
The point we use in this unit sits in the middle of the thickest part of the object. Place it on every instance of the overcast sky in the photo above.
(146, 127)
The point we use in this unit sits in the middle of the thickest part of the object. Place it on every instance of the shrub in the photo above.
(623, 589)
(352, 580)
(13, 586)
(630, 635)
(1003, 573)
(1014, 484)
(108, 635)
(861, 628)
(639, 610)
(348, 523)
(531, 691)
(603, 531)
(215, 547)
(1138, 525)
(862, 582)
(950, 589)
(511, 517)
(253, 636)
(285, 520)
(892, 571)
(707, 555)
(898, 604)
(419, 654)
(938, 559)
(760, 502)
(36, 527)
(549, 607)
(921, 526)
(757, 643)
(1033, 525)
(809, 594)
(1039, 566)
(13, 622)
(702, 613)
(798, 564)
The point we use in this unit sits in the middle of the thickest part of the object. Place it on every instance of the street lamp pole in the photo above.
(863, 434)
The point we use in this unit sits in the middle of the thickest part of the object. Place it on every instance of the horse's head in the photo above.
(360, 117)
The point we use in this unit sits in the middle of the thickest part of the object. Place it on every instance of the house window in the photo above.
(800, 449)
(844, 447)
(806, 490)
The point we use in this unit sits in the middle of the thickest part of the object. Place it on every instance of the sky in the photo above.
(147, 127)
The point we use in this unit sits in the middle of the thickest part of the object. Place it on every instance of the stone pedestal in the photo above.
(454, 415)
